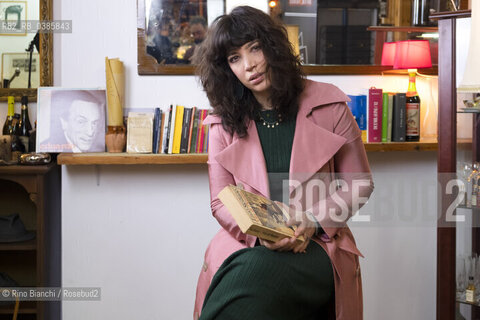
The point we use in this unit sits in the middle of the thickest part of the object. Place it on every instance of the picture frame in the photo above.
(13, 18)
(71, 120)
(20, 60)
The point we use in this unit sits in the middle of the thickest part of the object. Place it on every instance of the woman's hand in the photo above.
(306, 227)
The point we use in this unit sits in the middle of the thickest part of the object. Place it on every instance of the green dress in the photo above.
(257, 283)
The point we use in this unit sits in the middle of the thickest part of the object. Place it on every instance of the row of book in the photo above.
(381, 116)
(177, 130)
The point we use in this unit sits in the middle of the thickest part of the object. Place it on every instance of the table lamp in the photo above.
(388, 54)
(471, 79)
(409, 54)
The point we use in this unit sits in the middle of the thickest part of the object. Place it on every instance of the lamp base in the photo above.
(115, 139)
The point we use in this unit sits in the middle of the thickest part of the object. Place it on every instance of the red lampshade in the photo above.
(388, 54)
(412, 54)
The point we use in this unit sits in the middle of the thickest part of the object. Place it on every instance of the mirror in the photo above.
(15, 60)
(331, 37)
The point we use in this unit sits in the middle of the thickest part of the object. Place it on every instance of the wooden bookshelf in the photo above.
(129, 158)
(201, 158)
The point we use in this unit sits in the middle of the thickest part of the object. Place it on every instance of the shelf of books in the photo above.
(201, 158)
(130, 158)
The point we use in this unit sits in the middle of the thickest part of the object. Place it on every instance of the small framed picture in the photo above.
(70, 120)
(15, 70)
(13, 18)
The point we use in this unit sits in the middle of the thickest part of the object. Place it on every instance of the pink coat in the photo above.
(327, 144)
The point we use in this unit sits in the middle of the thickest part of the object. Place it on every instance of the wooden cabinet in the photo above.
(34, 193)
(449, 155)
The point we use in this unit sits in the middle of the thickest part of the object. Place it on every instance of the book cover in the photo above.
(172, 128)
(187, 118)
(390, 117)
(177, 135)
(398, 121)
(166, 130)
(385, 117)
(160, 139)
(190, 133)
(201, 132)
(139, 132)
(257, 215)
(358, 106)
(156, 132)
(193, 147)
(374, 115)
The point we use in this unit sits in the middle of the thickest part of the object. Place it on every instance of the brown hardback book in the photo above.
(257, 215)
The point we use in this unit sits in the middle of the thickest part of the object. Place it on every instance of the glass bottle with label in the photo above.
(413, 110)
(470, 292)
(8, 126)
(24, 125)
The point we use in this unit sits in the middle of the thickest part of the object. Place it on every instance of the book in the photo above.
(374, 115)
(173, 112)
(358, 106)
(190, 134)
(390, 116)
(161, 130)
(139, 132)
(198, 115)
(177, 132)
(201, 131)
(257, 215)
(399, 117)
(385, 117)
(187, 119)
(156, 127)
(166, 130)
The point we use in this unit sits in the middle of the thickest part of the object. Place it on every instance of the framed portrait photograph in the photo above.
(70, 120)
(15, 69)
(13, 18)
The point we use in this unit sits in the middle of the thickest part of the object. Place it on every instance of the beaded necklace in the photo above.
(268, 124)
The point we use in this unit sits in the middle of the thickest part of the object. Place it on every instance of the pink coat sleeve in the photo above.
(352, 171)
(219, 178)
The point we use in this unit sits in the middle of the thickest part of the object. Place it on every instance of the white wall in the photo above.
(139, 232)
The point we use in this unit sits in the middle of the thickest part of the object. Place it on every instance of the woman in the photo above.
(271, 125)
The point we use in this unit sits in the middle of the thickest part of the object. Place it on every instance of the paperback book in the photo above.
(257, 215)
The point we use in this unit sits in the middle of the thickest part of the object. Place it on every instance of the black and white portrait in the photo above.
(71, 120)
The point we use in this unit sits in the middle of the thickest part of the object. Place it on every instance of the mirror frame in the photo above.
(147, 65)
(46, 59)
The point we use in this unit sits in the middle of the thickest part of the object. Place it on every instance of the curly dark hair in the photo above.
(230, 99)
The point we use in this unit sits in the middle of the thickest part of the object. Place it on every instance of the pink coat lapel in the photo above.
(244, 159)
(313, 145)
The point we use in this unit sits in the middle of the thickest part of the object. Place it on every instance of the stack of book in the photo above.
(176, 130)
(381, 116)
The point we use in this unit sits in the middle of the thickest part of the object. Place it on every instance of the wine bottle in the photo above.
(412, 110)
(17, 146)
(7, 127)
(24, 125)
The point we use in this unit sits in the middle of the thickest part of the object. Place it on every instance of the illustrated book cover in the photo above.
(257, 215)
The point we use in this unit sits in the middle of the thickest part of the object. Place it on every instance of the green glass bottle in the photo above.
(24, 125)
(8, 126)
